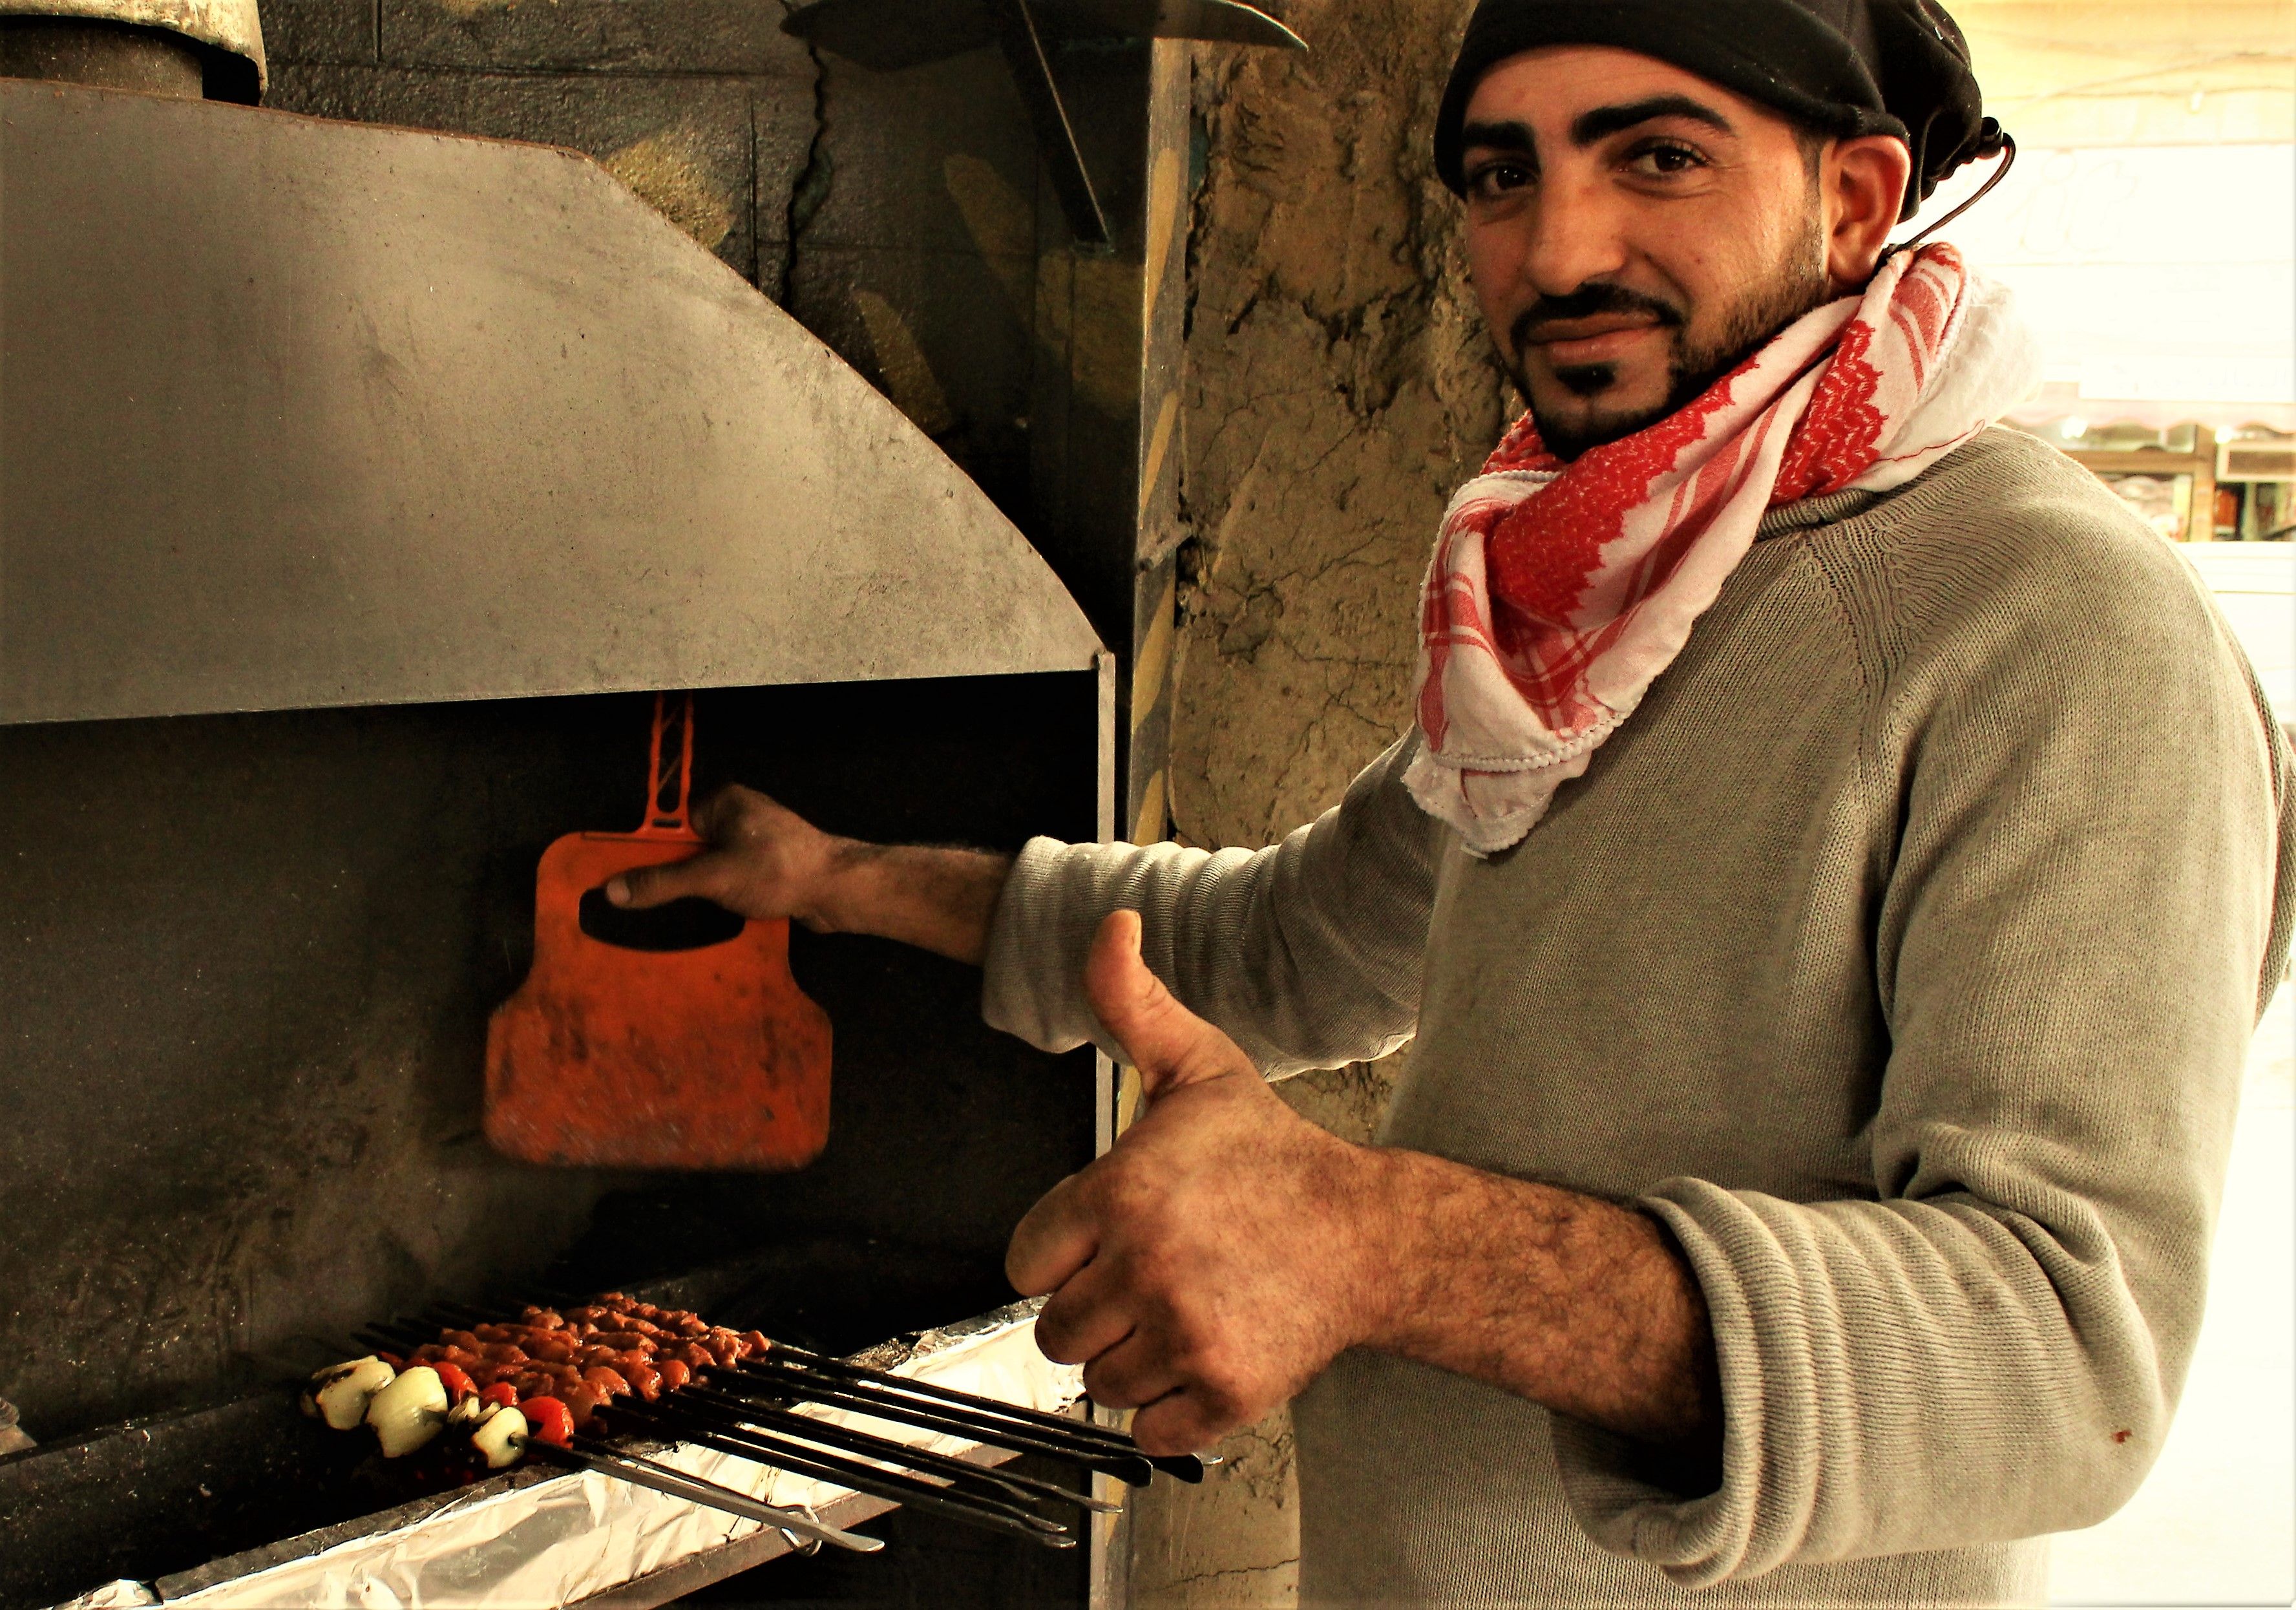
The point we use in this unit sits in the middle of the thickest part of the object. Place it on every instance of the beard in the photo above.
(1797, 285)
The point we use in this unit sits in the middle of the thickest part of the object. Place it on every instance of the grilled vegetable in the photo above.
(340, 1395)
(409, 1411)
(500, 1437)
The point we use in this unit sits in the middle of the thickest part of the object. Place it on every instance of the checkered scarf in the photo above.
(1559, 592)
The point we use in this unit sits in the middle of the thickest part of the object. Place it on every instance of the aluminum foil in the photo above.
(563, 1537)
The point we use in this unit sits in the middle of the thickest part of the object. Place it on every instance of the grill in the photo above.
(743, 1464)
(360, 492)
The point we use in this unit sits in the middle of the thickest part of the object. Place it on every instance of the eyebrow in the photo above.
(1499, 136)
(1591, 126)
(1606, 121)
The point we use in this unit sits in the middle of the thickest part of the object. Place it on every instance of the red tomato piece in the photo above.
(548, 1420)
(459, 1386)
(500, 1391)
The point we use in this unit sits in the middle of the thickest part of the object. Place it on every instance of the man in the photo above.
(1831, 880)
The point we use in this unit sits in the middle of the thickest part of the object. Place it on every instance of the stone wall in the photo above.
(1339, 387)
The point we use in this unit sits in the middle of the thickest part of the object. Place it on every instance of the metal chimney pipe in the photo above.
(103, 55)
(190, 49)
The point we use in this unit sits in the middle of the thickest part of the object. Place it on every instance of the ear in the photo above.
(1863, 181)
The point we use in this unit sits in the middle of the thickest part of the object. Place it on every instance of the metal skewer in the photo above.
(694, 1489)
(1187, 1467)
(1128, 1466)
(971, 1493)
(974, 1418)
(682, 1426)
(884, 1377)
(1126, 1463)
(897, 1486)
(1017, 1485)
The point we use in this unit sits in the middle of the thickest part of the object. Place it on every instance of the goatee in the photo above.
(1799, 285)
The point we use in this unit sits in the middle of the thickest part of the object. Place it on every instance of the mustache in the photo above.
(1588, 301)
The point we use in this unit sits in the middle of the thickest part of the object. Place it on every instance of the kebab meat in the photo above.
(543, 1376)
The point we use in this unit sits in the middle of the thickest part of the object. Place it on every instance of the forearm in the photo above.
(1574, 1302)
(940, 900)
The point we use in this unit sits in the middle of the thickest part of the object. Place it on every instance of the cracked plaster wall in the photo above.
(1339, 387)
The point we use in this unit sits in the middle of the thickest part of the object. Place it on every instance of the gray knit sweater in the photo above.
(1900, 953)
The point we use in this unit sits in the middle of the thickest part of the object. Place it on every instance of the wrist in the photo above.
(838, 897)
(1385, 1222)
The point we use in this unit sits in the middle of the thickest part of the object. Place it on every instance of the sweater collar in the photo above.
(1803, 514)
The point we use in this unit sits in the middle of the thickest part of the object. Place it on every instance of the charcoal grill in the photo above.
(358, 488)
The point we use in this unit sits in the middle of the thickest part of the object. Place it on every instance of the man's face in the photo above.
(1634, 231)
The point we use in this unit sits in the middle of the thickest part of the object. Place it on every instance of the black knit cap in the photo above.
(1842, 67)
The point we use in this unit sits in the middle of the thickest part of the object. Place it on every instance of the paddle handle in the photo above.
(669, 769)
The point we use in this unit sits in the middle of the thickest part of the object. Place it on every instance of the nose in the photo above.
(1572, 235)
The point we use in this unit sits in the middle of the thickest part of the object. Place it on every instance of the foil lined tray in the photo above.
(536, 1536)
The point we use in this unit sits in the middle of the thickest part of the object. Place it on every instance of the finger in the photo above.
(1053, 1240)
(1134, 1372)
(714, 815)
(645, 886)
(735, 813)
(1185, 1421)
(1170, 1045)
(1085, 1317)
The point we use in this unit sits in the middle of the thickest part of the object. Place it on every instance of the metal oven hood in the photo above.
(296, 413)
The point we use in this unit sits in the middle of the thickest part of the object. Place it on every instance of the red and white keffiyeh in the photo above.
(1559, 592)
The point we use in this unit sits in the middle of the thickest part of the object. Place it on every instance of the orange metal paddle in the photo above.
(674, 1039)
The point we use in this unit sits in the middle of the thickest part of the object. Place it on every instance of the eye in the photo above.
(1498, 177)
(1664, 159)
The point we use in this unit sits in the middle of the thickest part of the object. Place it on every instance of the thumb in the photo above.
(645, 886)
(1170, 1045)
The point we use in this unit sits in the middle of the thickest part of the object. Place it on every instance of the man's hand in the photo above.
(766, 862)
(1211, 1265)
(1225, 1250)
